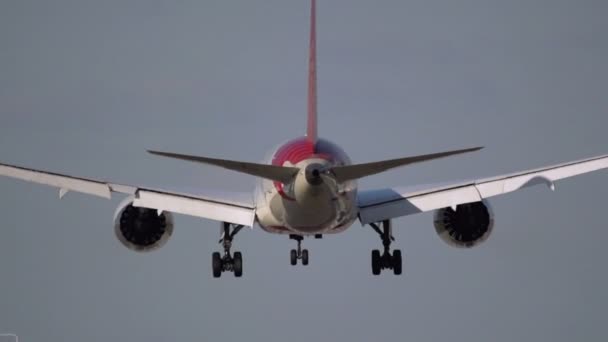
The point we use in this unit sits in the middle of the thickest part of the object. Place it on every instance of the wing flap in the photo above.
(404, 205)
(228, 207)
(65, 182)
(180, 204)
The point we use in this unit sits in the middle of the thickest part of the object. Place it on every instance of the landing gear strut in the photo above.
(228, 262)
(385, 260)
(298, 254)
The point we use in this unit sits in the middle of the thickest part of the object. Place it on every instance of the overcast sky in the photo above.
(86, 86)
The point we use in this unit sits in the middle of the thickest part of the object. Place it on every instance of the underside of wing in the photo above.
(235, 208)
(383, 204)
(224, 207)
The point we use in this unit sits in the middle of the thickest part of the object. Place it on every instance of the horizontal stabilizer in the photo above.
(356, 171)
(277, 173)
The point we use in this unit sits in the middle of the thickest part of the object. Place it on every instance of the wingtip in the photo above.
(162, 154)
(154, 152)
(474, 149)
(469, 150)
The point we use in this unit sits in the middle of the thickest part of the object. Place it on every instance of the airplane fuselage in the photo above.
(311, 204)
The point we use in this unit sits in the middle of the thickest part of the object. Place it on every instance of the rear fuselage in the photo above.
(311, 204)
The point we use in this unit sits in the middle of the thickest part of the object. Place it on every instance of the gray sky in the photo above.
(86, 86)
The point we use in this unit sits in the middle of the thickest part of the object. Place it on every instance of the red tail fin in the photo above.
(311, 130)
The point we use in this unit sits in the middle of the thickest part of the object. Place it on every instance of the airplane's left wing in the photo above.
(235, 208)
(384, 204)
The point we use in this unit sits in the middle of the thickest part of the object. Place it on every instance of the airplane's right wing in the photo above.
(235, 208)
(384, 204)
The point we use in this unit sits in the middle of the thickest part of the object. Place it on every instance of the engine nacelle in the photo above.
(467, 226)
(142, 229)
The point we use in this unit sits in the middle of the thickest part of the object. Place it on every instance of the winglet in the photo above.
(311, 129)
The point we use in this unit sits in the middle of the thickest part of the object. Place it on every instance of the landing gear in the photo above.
(216, 264)
(228, 262)
(298, 254)
(294, 257)
(385, 260)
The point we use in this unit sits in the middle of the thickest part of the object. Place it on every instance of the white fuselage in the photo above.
(305, 206)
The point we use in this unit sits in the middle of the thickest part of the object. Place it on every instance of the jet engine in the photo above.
(142, 229)
(467, 226)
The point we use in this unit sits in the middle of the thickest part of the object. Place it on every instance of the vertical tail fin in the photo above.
(311, 130)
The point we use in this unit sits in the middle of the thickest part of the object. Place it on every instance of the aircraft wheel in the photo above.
(294, 257)
(397, 262)
(216, 264)
(238, 264)
(376, 262)
(305, 257)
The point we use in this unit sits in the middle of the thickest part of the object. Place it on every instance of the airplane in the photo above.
(308, 188)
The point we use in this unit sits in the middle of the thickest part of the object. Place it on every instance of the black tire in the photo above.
(397, 262)
(216, 264)
(376, 262)
(305, 257)
(294, 257)
(238, 264)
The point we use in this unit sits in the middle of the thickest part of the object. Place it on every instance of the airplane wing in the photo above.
(235, 208)
(383, 204)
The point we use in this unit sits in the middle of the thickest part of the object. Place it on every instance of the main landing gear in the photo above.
(228, 262)
(298, 254)
(386, 260)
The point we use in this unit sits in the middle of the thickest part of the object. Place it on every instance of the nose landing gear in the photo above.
(228, 262)
(385, 260)
(299, 253)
